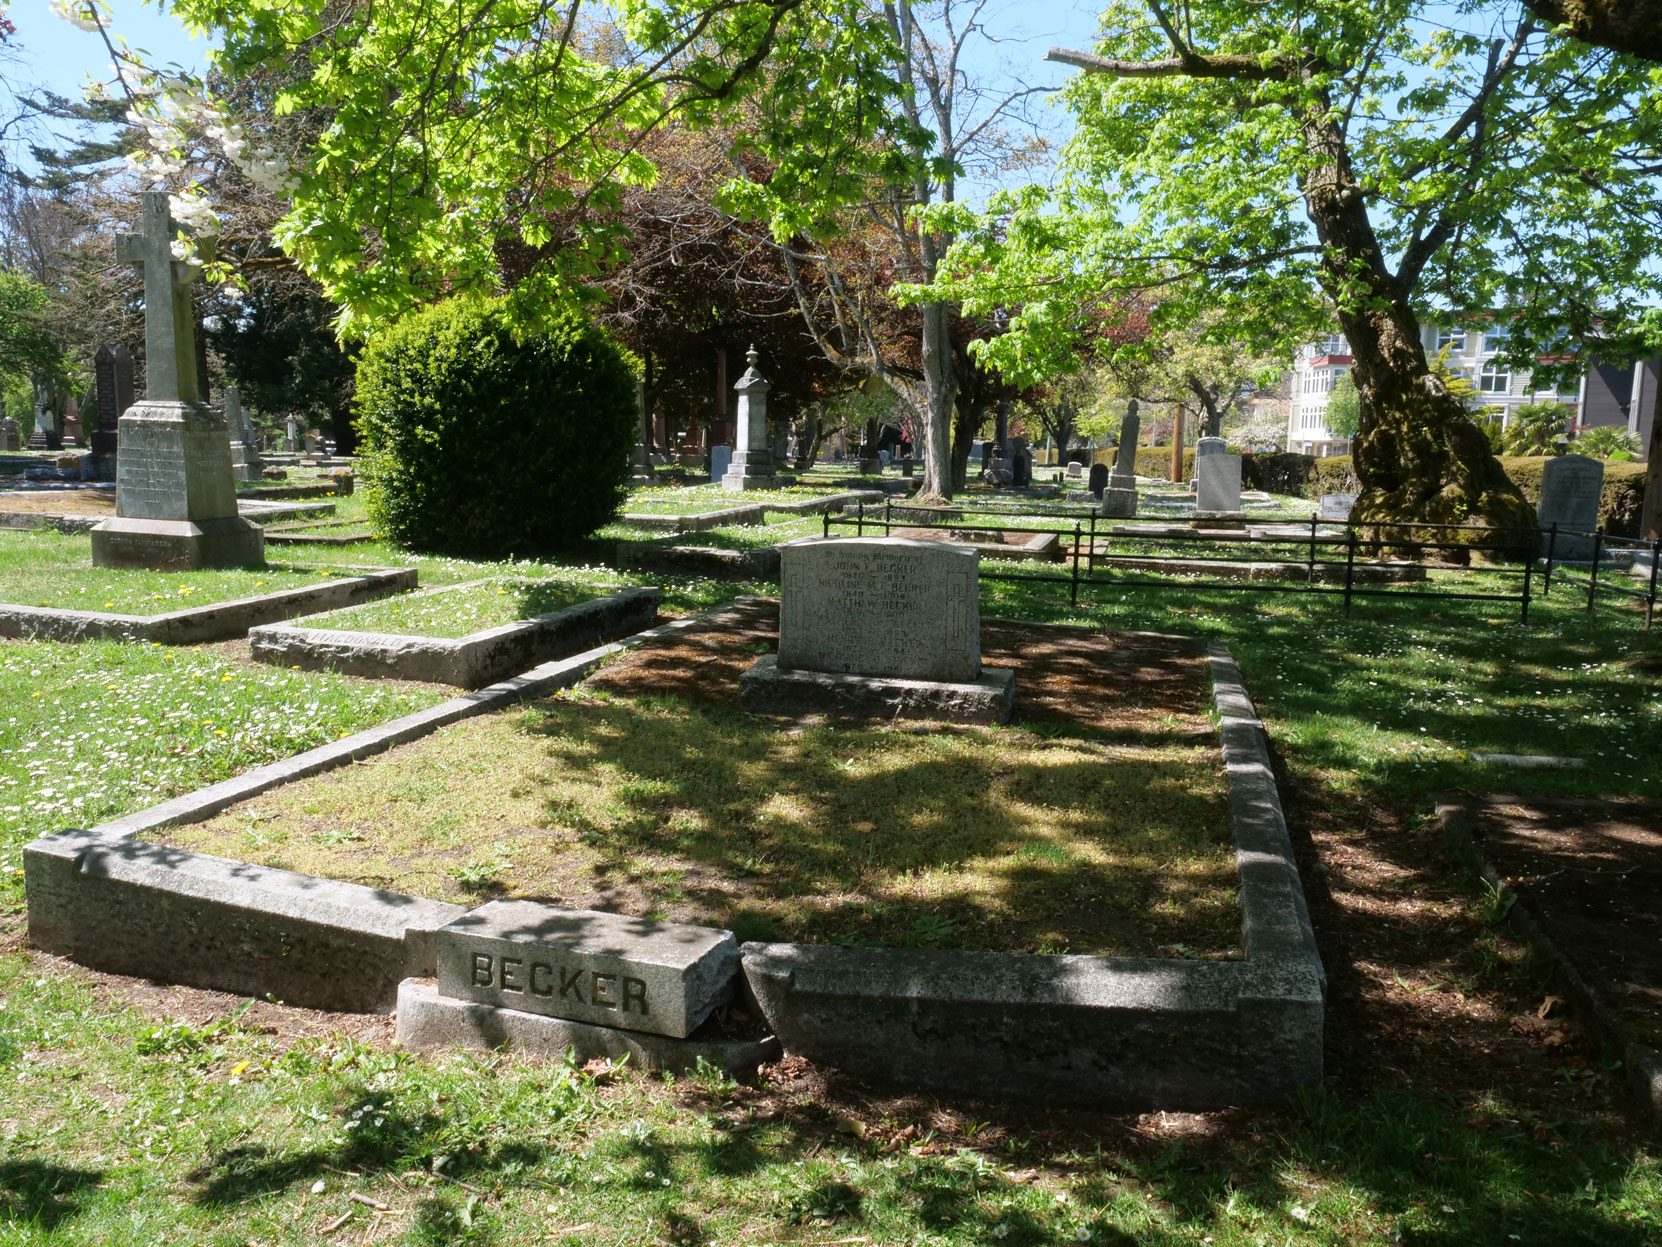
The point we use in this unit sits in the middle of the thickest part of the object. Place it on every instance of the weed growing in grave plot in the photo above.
(90, 732)
(44, 568)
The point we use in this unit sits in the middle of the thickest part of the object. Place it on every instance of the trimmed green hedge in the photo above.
(1306, 476)
(481, 443)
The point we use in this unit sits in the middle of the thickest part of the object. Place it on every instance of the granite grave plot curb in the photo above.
(466, 662)
(730, 517)
(98, 896)
(1113, 1032)
(212, 622)
(1641, 1063)
(259, 513)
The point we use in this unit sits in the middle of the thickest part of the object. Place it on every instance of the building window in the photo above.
(1453, 339)
(1495, 339)
(1493, 379)
(1333, 344)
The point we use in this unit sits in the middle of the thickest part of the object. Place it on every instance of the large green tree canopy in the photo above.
(1399, 157)
(444, 127)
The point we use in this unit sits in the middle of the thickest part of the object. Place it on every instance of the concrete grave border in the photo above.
(98, 896)
(1070, 1030)
(1121, 1032)
(470, 661)
(258, 512)
(214, 621)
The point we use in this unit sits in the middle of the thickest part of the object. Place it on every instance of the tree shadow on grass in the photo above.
(37, 1192)
(379, 1138)
(954, 836)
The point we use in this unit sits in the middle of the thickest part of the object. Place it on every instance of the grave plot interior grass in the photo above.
(937, 836)
(467, 608)
(45, 568)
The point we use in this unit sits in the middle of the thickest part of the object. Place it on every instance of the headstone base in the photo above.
(428, 1020)
(97, 467)
(245, 464)
(178, 545)
(766, 688)
(871, 467)
(738, 480)
(1120, 504)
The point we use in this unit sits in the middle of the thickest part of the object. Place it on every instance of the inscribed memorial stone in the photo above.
(1570, 490)
(608, 969)
(880, 606)
(176, 503)
(1218, 483)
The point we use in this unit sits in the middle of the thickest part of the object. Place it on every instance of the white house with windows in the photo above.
(1471, 354)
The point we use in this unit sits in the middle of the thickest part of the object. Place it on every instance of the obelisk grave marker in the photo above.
(175, 500)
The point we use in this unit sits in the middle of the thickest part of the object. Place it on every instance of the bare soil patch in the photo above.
(58, 501)
(1591, 872)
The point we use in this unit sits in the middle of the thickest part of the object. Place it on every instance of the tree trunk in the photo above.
(1631, 26)
(1417, 454)
(970, 414)
(1650, 522)
(940, 384)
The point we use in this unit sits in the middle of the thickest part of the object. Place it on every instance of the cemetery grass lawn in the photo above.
(963, 837)
(467, 608)
(92, 731)
(1441, 1122)
(41, 567)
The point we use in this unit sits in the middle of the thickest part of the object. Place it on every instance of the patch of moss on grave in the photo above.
(923, 835)
(47, 568)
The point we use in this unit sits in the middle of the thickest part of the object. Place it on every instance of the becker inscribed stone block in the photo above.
(610, 969)
(880, 606)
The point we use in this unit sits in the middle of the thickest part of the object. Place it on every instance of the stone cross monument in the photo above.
(175, 500)
(752, 465)
(1119, 499)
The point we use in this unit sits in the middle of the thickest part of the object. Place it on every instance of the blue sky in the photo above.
(57, 55)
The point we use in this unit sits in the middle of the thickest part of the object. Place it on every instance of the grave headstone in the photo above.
(112, 369)
(883, 457)
(1097, 480)
(906, 467)
(314, 441)
(609, 969)
(1019, 459)
(1336, 506)
(1211, 446)
(1218, 483)
(721, 458)
(11, 434)
(873, 625)
(245, 452)
(1570, 490)
(1074, 471)
(752, 465)
(1125, 458)
(72, 430)
(291, 435)
(176, 503)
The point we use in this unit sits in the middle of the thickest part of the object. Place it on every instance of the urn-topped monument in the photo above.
(175, 499)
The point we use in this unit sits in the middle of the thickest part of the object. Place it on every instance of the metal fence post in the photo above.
(1650, 601)
(1312, 575)
(888, 514)
(1073, 589)
(1552, 549)
(1529, 569)
(1350, 566)
(1593, 576)
(825, 522)
(860, 518)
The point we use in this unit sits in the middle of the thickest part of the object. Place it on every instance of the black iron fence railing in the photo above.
(1337, 558)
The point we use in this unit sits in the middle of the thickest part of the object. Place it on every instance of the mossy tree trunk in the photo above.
(1418, 455)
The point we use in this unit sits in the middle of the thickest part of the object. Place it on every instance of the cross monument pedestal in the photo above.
(175, 499)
